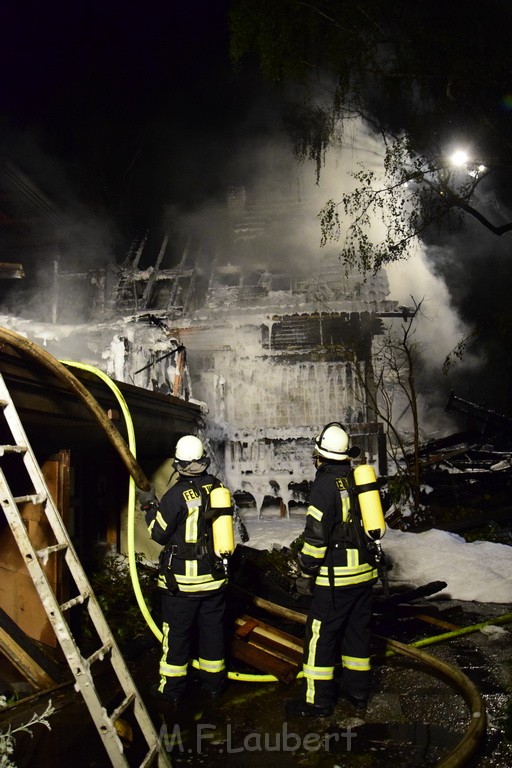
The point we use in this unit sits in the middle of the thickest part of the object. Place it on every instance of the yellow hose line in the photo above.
(248, 677)
(132, 562)
(504, 619)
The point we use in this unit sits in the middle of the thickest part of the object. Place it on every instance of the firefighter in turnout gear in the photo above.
(191, 576)
(340, 571)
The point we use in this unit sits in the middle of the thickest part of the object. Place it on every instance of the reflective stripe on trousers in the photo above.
(186, 617)
(338, 627)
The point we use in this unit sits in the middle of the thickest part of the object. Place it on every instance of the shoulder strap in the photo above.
(340, 531)
(338, 534)
(351, 531)
(204, 547)
(354, 501)
(207, 509)
(355, 514)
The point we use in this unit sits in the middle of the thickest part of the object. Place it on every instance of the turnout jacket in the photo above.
(178, 524)
(332, 560)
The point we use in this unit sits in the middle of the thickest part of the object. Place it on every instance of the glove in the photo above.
(304, 585)
(147, 499)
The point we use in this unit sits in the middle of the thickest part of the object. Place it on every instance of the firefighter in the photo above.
(336, 570)
(191, 578)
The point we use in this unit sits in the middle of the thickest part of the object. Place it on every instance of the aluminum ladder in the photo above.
(27, 474)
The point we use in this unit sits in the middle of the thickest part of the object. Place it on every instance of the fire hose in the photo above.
(468, 744)
(132, 561)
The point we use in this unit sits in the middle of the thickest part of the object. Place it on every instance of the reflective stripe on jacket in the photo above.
(329, 503)
(178, 521)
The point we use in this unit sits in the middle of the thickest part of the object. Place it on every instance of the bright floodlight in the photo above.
(460, 157)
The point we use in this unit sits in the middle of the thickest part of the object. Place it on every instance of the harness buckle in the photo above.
(172, 551)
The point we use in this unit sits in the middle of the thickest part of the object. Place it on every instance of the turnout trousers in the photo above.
(187, 617)
(338, 623)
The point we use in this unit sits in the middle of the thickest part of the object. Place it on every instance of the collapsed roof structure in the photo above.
(267, 343)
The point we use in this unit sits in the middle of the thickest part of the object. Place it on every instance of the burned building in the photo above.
(271, 343)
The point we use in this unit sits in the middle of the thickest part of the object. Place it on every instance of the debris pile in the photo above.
(467, 477)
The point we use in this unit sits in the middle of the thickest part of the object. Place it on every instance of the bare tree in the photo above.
(391, 396)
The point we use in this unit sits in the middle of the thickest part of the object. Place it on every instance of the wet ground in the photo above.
(414, 717)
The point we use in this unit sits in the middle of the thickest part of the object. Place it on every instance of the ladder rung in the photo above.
(99, 654)
(35, 498)
(12, 449)
(75, 601)
(148, 759)
(43, 553)
(122, 707)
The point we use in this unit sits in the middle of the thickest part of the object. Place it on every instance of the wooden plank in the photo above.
(263, 661)
(279, 610)
(437, 622)
(18, 595)
(263, 639)
(11, 270)
(270, 641)
(19, 639)
(276, 649)
(24, 663)
(267, 630)
(19, 599)
(245, 628)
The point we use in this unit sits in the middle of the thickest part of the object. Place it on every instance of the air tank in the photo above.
(370, 503)
(221, 506)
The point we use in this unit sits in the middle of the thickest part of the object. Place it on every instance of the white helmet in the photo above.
(332, 442)
(189, 448)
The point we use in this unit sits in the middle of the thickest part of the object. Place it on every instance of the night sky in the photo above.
(127, 106)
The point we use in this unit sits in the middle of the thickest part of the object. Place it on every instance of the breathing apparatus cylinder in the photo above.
(222, 523)
(370, 503)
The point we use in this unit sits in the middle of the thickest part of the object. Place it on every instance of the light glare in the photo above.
(460, 157)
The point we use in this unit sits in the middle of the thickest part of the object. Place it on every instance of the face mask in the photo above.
(193, 468)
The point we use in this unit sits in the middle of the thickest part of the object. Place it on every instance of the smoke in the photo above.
(440, 327)
(175, 136)
(284, 199)
(67, 238)
(273, 201)
(285, 194)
